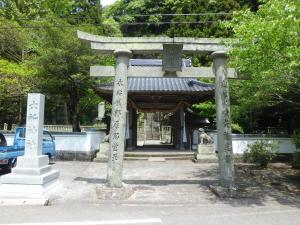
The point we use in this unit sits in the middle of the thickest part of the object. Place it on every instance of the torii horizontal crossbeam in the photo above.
(151, 44)
(150, 71)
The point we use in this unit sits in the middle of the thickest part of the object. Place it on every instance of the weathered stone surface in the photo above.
(206, 154)
(75, 155)
(157, 71)
(118, 120)
(151, 44)
(224, 147)
(102, 155)
(206, 149)
(34, 124)
(233, 192)
(101, 110)
(108, 193)
(32, 175)
(172, 57)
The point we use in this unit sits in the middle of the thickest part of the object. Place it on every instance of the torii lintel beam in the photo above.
(149, 71)
(151, 44)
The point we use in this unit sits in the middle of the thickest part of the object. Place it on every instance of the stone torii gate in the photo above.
(172, 50)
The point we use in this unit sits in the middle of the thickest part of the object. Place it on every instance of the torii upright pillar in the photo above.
(118, 123)
(224, 139)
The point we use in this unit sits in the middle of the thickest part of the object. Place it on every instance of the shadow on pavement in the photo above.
(253, 186)
(150, 182)
(256, 186)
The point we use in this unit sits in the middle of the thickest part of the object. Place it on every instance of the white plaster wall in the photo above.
(285, 145)
(78, 142)
(71, 142)
(74, 142)
(240, 142)
(90, 141)
(9, 138)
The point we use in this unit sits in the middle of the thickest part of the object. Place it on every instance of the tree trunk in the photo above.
(73, 109)
(66, 114)
(20, 111)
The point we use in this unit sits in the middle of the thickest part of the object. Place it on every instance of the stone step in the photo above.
(157, 156)
(156, 159)
(206, 158)
(148, 154)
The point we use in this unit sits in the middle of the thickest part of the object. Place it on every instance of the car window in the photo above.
(47, 136)
(2, 140)
(22, 133)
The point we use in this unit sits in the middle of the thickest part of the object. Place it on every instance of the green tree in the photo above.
(143, 17)
(63, 62)
(52, 47)
(16, 80)
(13, 40)
(266, 48)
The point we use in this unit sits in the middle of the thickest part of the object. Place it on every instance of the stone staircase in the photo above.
(159, 155)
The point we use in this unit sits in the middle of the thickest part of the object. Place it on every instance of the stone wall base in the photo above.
(28, 191)
(75, 155)
(206, 154)
(31, 178)
(102, 155)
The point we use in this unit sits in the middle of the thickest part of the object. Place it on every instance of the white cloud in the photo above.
(107, 2)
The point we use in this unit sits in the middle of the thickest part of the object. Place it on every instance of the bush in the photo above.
(261, 153)
(296, 155)
(236, 128)
(296, 159)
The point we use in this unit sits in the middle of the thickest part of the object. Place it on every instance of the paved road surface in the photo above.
(174, 192)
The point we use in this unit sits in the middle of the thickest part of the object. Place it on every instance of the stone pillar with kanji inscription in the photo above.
(33, 176)
(118, 120)
(224, 146)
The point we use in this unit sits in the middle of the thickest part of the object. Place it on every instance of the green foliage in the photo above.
(12, 40)
(206, 110)
(266, 49)
(296, 159)
(261, 152)
(296, 138)
(125, 12)
(236, 128)
(16, 80)
(296, 155)
(57, 57)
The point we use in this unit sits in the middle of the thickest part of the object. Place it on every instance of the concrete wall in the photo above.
(285, 145)
(83, 145)
(241, 141)
(73, 145)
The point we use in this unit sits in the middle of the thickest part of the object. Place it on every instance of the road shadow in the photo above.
(150, 182)
(255, 186)
(252, 185)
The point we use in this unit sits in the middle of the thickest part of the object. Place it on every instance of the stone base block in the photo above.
(32, 161)
(206, 158)
(102, 155)
(41, 201)
(31, 171)
(27, 191)
(206, 149)
(108, 193)
(24, 178)
(100, 159)
(75, 155)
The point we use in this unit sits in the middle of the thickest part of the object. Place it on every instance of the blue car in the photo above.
(9, 154)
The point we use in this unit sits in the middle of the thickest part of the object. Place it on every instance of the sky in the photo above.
(107, 2)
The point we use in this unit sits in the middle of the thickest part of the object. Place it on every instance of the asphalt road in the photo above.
(170, 193)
